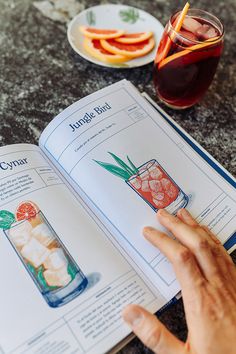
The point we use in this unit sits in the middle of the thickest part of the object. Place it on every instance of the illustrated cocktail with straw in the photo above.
(151, 182)
(45, 257)
(187, 57)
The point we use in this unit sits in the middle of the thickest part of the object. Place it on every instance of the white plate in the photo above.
(117, 17)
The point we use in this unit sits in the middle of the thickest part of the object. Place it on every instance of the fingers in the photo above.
(186, 217)
(183, 261)
(195, 238)
(221, 257)
(151, 331)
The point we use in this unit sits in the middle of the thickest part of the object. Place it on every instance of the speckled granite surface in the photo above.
(40, 75)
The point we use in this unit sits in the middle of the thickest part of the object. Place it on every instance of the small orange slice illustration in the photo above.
(26, 210)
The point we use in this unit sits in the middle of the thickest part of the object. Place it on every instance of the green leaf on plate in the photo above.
(130, 15)
(91, 18)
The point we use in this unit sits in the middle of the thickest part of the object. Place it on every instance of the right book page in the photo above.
(126, 161)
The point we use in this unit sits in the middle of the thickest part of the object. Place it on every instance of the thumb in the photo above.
(151, 331)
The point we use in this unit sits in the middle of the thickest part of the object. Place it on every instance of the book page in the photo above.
(63, 283)
(126, 161)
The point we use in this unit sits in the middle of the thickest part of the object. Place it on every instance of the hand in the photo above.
(207, 276)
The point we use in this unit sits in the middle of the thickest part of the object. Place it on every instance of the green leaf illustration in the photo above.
(132, 165)
(6, 219)
(31, 269)
(130, 15)
(122, 164)
(117, 171)
(91, 18)
(71, 270)
(42, 280)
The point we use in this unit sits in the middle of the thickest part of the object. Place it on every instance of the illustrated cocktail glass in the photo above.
(157, 188)
(45, 257)
(187, 59)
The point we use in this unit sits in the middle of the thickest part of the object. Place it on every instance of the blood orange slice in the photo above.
(94, 48)
(192, 54)
(129, 50)
(134, 37)
(26, 210)
(96, 33)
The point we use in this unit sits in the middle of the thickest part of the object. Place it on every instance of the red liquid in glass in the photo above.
(182, 81)
(155, 186)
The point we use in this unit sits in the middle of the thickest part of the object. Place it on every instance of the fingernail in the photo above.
(163, 212)
(184, 212)
(132, 315)
(147, 230)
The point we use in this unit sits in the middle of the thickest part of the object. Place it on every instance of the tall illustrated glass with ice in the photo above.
(52, 268)
(187, 57)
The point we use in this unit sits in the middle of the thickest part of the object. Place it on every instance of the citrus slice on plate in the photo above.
(97, 33)
(94, 48)
(26, 210)
(134, 37)
(129, 50)
(6, 219)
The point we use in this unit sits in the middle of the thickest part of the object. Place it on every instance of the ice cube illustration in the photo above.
(155, 185)
(55, 260)
(145, 186)
(34, 252)
(58, 277)
(144, 174)
(136, 182)
(155, 173)
(20, 234)
(166, 183)
(43, 234)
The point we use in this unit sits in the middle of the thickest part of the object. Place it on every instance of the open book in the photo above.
(72, 254)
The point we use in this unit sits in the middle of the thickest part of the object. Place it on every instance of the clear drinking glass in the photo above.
(153, 184)
(186, 60)
(46, 259)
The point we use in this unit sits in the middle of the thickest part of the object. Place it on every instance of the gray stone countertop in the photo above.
(40, 75)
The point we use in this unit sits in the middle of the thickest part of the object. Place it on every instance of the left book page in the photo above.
(63, 284)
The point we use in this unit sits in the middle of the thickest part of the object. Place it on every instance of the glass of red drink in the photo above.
(157, 188)
(187, 59)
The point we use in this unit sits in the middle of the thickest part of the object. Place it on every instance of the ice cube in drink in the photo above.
(34, 252)
(57, 278)
(43, 234)
(21, 235)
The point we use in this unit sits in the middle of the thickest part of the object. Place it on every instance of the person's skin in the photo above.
(207, 276)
